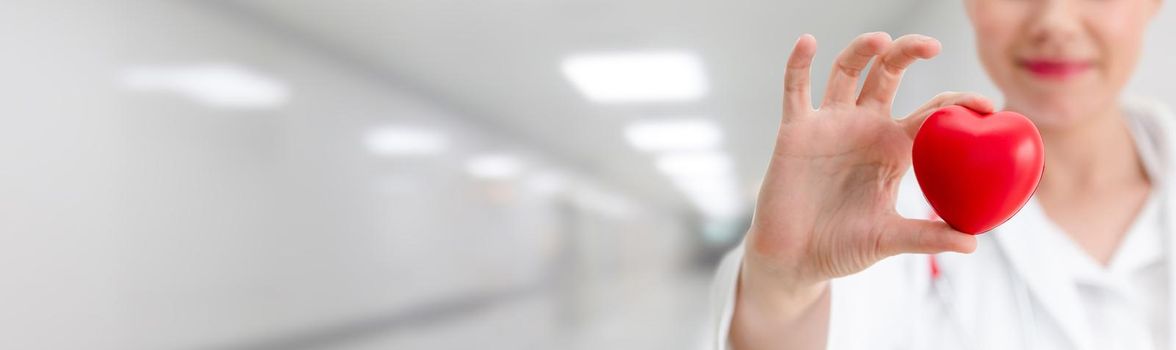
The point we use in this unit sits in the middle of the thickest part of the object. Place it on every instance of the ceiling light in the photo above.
(406, 141)
(218, 85)
(494, 166)
(673, 135)
(636, 76)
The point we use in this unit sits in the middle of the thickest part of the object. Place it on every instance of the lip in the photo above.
(1054, 69)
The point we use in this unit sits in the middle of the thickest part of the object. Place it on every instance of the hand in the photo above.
(827, 205)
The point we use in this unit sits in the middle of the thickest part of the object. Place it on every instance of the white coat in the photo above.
(1006, 295)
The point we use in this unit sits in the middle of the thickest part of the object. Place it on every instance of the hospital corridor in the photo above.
(406, 174)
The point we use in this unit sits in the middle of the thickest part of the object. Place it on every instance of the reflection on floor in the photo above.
(647, 313)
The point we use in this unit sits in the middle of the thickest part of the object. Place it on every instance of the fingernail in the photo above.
(800, 38)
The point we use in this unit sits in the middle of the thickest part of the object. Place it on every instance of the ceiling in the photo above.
(497, 62)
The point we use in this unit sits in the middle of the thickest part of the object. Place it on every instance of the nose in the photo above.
(1055, 22)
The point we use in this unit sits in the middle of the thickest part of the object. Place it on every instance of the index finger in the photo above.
(797, 96)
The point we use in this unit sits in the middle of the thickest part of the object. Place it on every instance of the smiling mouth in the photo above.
(1055, 69)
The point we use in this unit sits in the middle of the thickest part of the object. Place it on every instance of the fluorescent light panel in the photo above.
(494, 166)
(636, 76)
(217, 85)
(406, 141)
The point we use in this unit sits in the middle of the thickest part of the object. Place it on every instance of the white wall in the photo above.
(135, 220)
(1154, 75)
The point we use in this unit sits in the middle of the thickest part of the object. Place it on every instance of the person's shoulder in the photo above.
(1145, 106)
(1153, 115)
(1153, 127)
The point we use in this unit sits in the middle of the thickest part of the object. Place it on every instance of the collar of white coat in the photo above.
(1153, 130)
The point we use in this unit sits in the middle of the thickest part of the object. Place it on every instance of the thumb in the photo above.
(902, 235)
(972, 101)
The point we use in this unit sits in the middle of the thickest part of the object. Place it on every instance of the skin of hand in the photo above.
(827, 205)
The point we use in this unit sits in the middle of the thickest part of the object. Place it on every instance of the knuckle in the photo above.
(848, 70)
(794, 87)
(889, 66)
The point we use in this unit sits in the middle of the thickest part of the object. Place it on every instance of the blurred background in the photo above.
(404, 174)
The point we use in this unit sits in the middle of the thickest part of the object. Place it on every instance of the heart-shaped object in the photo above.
(977, 170)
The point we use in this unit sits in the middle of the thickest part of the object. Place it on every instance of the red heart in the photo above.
(977, 170)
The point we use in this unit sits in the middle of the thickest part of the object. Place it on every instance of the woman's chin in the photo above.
(1062, 108)
(1057, 116)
